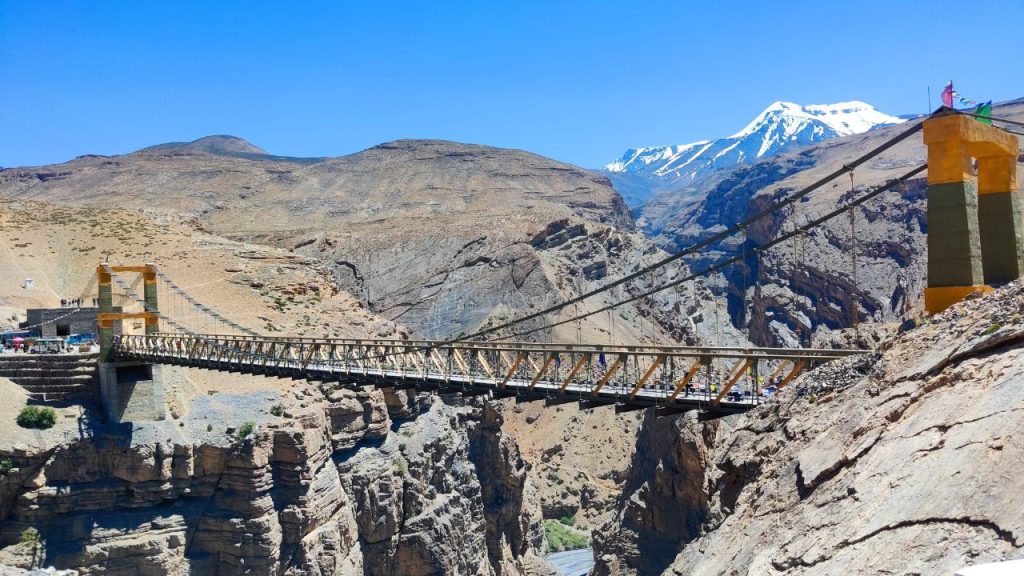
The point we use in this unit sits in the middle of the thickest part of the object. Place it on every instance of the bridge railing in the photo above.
(666, 372)
(565, 347)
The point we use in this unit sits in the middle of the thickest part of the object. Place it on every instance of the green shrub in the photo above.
(561, 537)
(37, 417)
(5, 466)
(568, 520)
(30, 536)
(277, 409)
(992, 329)
(244, 430)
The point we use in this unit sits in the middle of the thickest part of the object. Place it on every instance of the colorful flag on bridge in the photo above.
(947, 95)
(984, 110)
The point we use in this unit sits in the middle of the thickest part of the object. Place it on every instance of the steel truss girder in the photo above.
(630, 377)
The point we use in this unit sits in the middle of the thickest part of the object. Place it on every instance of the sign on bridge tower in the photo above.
(974, 222)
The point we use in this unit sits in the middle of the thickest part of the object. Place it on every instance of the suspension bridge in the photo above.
(975, 242)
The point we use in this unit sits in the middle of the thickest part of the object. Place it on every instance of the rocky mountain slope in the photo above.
(809, 285)
(901, 461)
(642, 173)
(437, 236)
(265, 289)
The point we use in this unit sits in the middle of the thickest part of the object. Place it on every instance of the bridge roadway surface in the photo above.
(629, 377)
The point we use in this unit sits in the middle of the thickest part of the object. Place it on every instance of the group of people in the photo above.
(746, 390)
(75, 302)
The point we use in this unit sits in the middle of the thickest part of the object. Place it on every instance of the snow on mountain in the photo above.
(780, 127)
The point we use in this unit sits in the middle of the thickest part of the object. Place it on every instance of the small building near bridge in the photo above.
(60, 322)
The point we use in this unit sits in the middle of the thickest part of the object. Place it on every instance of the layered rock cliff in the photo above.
(896, 462)
(664, 502)
(332, 485)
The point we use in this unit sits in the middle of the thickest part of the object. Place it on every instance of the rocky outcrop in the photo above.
(335, 488)
(513, 518)
(446, 494)
(899, 461)
(664, 502)
(578, 458)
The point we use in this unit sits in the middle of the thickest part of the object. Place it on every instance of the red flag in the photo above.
(947, 95)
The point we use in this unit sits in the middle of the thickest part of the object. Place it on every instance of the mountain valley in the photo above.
(434, 239)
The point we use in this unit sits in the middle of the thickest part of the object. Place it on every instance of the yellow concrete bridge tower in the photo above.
(974, 221)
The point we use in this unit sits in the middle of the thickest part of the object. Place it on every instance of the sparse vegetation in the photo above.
(5, 467)
(37, 417)
(277, 410)
(32, 538)
(244, 430)
(992, 329)
(561, 537)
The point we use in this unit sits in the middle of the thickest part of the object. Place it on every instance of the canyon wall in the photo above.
(333, 485)
(904, 460)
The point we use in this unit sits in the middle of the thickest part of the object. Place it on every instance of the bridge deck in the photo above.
(629, 377)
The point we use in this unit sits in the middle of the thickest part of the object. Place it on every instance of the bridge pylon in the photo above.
(129, 390)
(975, 233)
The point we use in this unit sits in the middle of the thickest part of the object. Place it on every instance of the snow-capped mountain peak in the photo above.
(647, 156)
(781, 126)
(845, 118)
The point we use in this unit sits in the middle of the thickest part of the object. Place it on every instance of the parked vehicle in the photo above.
(78, 339)
(7, 338)
(46, 346)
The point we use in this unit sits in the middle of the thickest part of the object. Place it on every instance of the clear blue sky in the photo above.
(576, 81)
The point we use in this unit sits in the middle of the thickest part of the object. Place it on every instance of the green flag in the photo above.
(984, 110)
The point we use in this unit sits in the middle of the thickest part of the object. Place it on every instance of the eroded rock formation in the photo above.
(336, 488)
(665, 502)
(901, 461)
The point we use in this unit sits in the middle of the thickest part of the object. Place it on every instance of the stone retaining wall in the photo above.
(53, 378)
